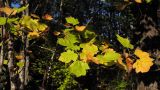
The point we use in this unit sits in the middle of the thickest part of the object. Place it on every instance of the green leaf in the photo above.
(2, 20)
(72, 20)
(68, 56)
(42, 27)
(32, 24)
(68, 40)
(108, 58)
(20, 64)
(78, 68)
(125, 42)
(89, 34)
(9, 20)
(21, 9)
(73, 47)
(5, 62)
(148, 1)
(111, 55)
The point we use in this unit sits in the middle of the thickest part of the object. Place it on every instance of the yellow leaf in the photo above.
(80, 28)
(8, 11)
(47, 17)
(138, 1)
(143, 65)
(19, 57)
(141, 54)
(33, 35)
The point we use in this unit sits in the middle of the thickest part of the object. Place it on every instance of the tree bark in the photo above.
(24, 73)
(12, 74)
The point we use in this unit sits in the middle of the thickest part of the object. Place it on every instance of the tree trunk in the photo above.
(11, 64)
(24, 73)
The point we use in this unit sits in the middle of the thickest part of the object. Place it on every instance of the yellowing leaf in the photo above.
(8, 11)
(142, 65)
(141, 54)
(5, 62)
(19, 57)
(125, 42)
(42, 27)
(20, 64)
(80, 28)
(68, 56)
(138, 1)
(47, 17)
(33, 35)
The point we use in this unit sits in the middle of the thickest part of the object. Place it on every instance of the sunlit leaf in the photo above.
(144, 62)
(111, 55)
(18, 10)
(19, 57)
(138, 1)
(72, 20)
(73, 47)
(33, 35)
(78, 68)
(142, 65)
(141, 54)
(68, 56)
(125, 42)
(5, 62)
(89, 48)
(148, 1)
(68, 40)
(32, 24)
(47, 17)
(80, 28)
(20, 64)
(42, 27)
(8, 11)
(9, 20)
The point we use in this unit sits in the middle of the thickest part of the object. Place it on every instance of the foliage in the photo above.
(77, 47)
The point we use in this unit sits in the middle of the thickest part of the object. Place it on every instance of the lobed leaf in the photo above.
(78, 68)
(68, 56)
(72, 20)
